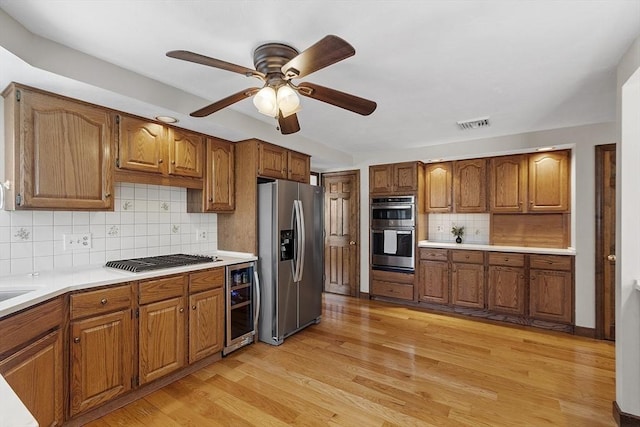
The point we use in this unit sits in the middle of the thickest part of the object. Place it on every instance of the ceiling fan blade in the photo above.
(327, 51)
(289, 124)
(185, 55)
(337, 98)
(225, 102)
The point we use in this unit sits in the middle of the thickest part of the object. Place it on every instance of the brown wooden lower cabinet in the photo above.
(467, 278)
(101, 353)
(35, 374)
(434, 282)
(206, 331)
(392, 284)
(31, 359)
(521, 288)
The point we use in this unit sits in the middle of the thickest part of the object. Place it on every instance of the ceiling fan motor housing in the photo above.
(269, 59)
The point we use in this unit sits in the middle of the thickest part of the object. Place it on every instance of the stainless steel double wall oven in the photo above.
(393, 231)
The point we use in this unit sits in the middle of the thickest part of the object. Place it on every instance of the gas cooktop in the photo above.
(137, 265)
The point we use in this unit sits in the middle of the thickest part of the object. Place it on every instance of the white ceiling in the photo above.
(529, 65)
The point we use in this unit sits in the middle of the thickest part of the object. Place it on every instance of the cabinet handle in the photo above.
(76, 340)
(506, 259)
(193, 307)
(549, 262)
(103, 301)
(181, 310)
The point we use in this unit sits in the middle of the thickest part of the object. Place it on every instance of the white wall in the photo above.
(628, 234)
(581, 139)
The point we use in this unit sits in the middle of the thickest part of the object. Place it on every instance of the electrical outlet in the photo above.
(439, 229)
(80, 241)
(201, 235)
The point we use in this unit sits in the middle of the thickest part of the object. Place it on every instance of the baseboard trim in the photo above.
(364, 295)
(624, 419)
(581, 331)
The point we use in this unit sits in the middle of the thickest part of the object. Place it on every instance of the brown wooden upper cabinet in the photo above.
(470, 186)
(58, 152)
(536, 182)
(438, 183)
(218, 193)
(394, 178)
(152, 147)
(280, 163)
(549, 182)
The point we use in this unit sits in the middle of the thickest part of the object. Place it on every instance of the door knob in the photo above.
(352, 242)
(611, 257)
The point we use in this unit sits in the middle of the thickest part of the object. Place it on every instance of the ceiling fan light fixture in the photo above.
(288, 101)
(265, 101)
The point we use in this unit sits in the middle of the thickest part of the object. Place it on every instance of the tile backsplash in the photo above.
(147, 220)
(476, 227)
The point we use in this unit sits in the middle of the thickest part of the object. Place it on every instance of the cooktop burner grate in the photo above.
(137, 265)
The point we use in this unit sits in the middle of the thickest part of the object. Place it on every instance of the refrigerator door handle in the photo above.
(257, 313)
(299, 231)
(302, 241)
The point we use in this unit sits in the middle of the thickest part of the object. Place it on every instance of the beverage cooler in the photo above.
(242, 301)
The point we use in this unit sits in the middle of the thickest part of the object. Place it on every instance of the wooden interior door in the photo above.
(342, 231)
(605, 241)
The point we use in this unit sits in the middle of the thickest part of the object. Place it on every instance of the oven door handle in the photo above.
(379, 207)
(397, 231)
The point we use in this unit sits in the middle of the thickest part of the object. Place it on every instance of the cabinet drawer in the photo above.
(164, 288)
(506, 258)
(473, 257)
(100, 301)
(393, 290)
(433, 254)
(205, 280)
(550, 262)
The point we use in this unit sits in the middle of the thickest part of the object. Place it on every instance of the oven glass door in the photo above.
(393, 249)
(392, 215)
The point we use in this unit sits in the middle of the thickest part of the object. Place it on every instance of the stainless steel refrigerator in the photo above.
(290, 250)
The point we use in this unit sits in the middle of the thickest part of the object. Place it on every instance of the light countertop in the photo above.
(495, 248)
(46, 285)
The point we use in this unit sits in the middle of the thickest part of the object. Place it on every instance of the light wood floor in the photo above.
(374, 364)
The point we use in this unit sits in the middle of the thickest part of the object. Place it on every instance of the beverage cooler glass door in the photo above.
(241, 306)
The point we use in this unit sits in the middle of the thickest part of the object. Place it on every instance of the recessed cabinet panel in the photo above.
(506, 289)
(470, 186)
(272, 161)
(467, 285)
(299, 167)
(508, 183)
(434, 282)
(220, 177)
(58, 152)
(206, 326)
(186, 152)
(142, 145)
(549, 182)
(551, 295)
(380, 179)
(438, 180)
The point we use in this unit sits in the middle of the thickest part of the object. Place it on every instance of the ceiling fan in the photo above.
(277, 64)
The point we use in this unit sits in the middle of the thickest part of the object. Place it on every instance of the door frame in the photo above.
(356, 174)
(599, 237)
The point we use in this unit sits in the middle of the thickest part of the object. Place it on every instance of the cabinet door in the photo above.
(506, 288)
(161, 338)
(186, 153)
(299, 167)
(508, 183)
(434, 282)
(549, 182)
(65, 154)
(142, 145)
(206, 324)
(550, 295)
(469, 186)
(35, 375)
(405, 177)
(220, 176)
(380, 179)
(272, 161)
(467, 285)
(438, 195)
(101, 359)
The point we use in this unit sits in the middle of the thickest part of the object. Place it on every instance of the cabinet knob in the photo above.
(352, 242)
(522, 276)
(103, 301)
(107, 195)
(210, 199)
(611, 257)
(193, 307)
(506, 259)
(181, 310)
(160, 161)
(76, 340)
